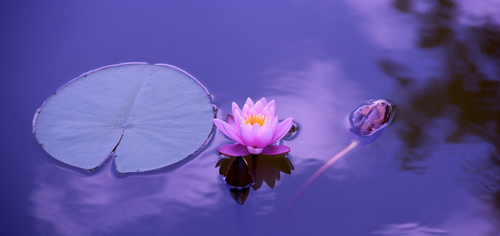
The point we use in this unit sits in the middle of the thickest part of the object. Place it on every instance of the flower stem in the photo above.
(323, 168)
(301, 191)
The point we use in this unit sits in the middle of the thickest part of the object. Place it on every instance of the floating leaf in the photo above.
(151, 116)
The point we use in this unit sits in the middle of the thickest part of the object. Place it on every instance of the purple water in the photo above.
(434, 171)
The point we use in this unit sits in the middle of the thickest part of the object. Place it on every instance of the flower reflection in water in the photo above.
(251, 171)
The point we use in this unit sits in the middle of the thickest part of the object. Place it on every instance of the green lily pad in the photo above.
(149, 116)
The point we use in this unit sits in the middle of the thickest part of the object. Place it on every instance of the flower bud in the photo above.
(367, 122)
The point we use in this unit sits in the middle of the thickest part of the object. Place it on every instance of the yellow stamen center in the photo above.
(255, 119)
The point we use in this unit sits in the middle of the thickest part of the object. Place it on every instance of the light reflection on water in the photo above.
(435, 171)
(73, 205)
(318, 97)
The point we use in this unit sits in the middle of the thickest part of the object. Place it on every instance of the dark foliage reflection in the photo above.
(251, 171)
(465, 92)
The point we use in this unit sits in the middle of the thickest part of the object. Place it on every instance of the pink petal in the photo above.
(271, 104)
(273, 150)
(252, 111)
(256, 132)
(249, 102)
(238, 119)
(245, 110)
(246, 135)
(230, 121)
(265, 112)
(220, 125)
(235, 107)
(267, 125)
(253, 150)
(264, 101)
(282, 129)
(233, 133)
(234, 150)
(274, 124)
(264, 139)
(228, 130)
(259, 107)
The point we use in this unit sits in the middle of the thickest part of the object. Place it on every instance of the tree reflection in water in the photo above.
(251, 171)
(465, 91)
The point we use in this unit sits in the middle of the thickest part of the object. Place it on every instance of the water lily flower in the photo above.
(255, 128)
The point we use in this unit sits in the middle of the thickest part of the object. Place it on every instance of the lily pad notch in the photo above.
(149, 115)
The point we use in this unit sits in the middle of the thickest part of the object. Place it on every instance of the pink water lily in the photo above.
(255, 129)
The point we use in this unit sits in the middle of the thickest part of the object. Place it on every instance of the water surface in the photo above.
(435, 171)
